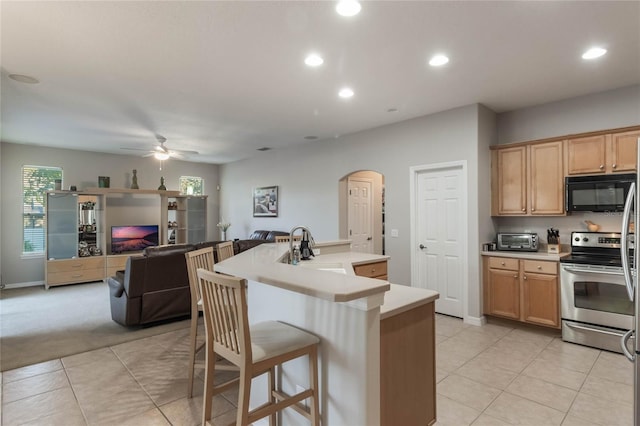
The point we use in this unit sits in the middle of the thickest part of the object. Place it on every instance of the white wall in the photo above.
(308, 177)
(82, 168)
(598, 111)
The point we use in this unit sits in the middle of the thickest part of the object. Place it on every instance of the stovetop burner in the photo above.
(587, 259)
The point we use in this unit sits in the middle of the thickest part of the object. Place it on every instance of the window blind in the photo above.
(36, 180)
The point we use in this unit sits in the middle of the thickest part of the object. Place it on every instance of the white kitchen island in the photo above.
(325, 297)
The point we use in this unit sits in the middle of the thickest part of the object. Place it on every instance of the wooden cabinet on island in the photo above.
(602, 153)
(527, 180)
(525, 290)
(376, 269)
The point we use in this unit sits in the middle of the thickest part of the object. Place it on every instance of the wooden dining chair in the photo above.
(225, 250)
(255, 350)
(202, 258)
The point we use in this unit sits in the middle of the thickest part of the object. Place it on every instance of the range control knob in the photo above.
(577, 239)
(585, 239)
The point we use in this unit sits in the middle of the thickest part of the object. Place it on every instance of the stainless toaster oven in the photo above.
(520, 241)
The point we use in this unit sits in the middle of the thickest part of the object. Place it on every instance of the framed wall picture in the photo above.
(265, 201)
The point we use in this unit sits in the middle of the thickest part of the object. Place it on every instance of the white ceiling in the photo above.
(226, 78)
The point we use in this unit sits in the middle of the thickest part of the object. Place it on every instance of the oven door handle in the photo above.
(625, 350)
(590, 271)
(598, 329)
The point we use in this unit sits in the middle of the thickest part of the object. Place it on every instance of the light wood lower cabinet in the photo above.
(523, 290)
(83, 269)
(408, 368)
(372, 270)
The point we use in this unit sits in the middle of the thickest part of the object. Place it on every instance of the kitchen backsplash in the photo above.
(609, 222)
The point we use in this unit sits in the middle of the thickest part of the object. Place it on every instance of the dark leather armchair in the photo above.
(153, 287)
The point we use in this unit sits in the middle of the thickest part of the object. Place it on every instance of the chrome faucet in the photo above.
(304, 229)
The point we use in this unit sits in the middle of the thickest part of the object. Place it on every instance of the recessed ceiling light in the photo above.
(594, 52)
(24, 78)
(311, 138)
(313, 60)
(438, 60)
(345, 93)
(348, 7)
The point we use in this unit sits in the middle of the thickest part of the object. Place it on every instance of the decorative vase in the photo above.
(224, 235)
(134, 180)
(162, 187)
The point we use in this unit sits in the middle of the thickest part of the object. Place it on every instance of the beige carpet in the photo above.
(39, 325)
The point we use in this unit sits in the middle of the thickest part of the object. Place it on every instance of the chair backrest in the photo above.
(225, 250)
(287, 238)
(196, 259)
(225, 316)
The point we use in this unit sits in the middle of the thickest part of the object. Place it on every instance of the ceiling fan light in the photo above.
(161, 156)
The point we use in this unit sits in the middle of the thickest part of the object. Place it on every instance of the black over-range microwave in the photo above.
(599, 193)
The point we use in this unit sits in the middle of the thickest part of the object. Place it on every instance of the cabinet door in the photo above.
(586, 155)
(62, 226)
(504, 293)
(546, 179)
(511, 181)
(196, 219)
(624, 149)
(540, 299)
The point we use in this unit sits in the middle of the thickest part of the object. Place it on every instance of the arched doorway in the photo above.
(361, 215)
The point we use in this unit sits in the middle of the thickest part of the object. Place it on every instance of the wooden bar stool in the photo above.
(287, 238)
(255, 350)
(225, 250)
(202, 258)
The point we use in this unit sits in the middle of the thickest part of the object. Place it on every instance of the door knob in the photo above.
(369, 239)
(422, 247)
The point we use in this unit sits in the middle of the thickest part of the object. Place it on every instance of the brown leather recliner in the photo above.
(154, 286)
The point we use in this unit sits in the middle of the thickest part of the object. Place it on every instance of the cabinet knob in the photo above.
(601, 166)
(502, 263)
(524, 210)
(515, 276)
(533, 209)
(614, 166)
(524, 278)
(539, 266)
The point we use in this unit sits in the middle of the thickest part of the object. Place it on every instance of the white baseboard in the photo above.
(26, 284)
(477, 321)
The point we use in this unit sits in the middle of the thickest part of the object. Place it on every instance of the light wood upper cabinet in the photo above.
(624, 151)
(546, 179)
(528, 180)
(586, 155)
(608, 153)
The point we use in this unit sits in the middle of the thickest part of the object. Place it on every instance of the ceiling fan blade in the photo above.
(134, 149)
(185, 151)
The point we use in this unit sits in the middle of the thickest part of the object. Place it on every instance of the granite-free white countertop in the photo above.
(401, 298)
(263, 263)
(534, 255)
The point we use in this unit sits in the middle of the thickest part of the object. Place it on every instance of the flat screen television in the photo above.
(133, 238)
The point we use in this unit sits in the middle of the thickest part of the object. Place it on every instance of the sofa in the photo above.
(155, 286)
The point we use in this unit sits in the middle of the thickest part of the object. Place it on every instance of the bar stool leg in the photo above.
(207, 398)
(313, 384)
(192, 352)
(272, 399)
(242, 418)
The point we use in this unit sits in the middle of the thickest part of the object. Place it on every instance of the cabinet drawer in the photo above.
(371, 270)
(117, 262)
(82, 275)
(503, 263)
(541, 266)
(72, 265)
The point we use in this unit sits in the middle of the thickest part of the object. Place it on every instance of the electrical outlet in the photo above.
(316, 251)
(394, 233)
(304, 402)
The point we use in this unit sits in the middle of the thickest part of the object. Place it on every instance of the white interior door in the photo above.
(440, 235)
(360, 214)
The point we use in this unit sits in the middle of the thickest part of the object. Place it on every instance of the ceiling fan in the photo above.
(161, 152)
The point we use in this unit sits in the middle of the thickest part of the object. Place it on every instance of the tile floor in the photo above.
(491, 375)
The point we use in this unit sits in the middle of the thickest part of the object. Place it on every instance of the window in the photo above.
(191, 185)
(36, 180)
